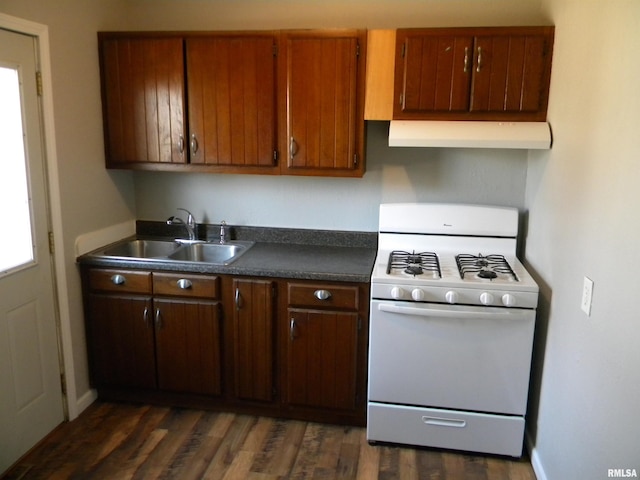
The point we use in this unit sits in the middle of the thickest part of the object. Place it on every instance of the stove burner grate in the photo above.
(414, 263)
(485, 267)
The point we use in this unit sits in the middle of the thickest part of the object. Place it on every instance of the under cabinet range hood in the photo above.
(469, 134)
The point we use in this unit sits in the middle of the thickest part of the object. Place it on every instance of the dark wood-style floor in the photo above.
(120, 441)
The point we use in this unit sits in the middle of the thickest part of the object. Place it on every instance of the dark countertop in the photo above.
(298, 254)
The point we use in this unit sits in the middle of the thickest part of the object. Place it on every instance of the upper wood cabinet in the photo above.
(232, 100)
(238, 102)
(497, 73)
(322, 88)
(143, 99)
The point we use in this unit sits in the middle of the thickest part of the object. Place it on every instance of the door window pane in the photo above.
(16, 239)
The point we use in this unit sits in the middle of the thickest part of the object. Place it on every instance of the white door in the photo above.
(31, 402)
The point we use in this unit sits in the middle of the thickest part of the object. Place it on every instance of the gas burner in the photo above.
(486, 267)
(414, 263)
(414, 270)
(485, 273)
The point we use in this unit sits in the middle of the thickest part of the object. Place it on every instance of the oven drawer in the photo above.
(430, 427)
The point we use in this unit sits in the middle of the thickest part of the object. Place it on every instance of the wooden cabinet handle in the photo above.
(322, 294)
(479, 60)
(145, 315)
(118, 279)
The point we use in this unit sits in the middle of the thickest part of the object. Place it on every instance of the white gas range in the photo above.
(452, 320)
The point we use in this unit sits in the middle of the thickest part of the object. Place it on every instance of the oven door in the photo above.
(450, 356)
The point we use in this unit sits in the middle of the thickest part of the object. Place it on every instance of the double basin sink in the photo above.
(179, 251)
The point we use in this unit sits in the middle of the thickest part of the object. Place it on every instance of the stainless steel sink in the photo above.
(220, 254)
(178, 251)
(147, 249)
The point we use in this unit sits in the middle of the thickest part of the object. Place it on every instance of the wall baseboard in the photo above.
(535, 458)
(85, 400)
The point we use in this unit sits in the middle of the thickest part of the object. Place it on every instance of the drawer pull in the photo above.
(118, 279)
(444, 422)
(184, 283)
(322, 294)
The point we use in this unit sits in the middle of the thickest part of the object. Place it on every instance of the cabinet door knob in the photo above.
(466, 59)
(158, 320)
(292, 329)
(293, 147)
(181, 144)
(118, 279)
(479, 60)
(184, 283)
(194, 144)
(237, 299)
(322, 294)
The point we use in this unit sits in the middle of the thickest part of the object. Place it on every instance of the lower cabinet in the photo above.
(253, 333)
(322, 359)
(121, 340)
(152, 331)
(269, 346)
(188, 346)
(326, 349)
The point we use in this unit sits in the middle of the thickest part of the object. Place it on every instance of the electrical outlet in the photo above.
(587, 294)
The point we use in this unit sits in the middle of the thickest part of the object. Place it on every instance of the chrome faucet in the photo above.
(190, 224)
(223, 232)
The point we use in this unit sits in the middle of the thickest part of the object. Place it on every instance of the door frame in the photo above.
(40, 33)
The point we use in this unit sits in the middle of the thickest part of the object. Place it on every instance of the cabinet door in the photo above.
(322, 359)
(254, 339)
(188, 346)
(433, 73)
(324, 80)
(511, 73)
(143, 100)
(120, 338)
(232, 112)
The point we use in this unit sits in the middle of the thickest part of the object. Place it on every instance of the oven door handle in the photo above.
(435, 312)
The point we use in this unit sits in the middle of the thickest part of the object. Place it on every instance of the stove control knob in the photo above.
(451, 297)
(397, 293)
(486, 298)
(508, 300)
(417, 294)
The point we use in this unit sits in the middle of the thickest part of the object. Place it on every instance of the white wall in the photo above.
(495, 177)
(583, 198)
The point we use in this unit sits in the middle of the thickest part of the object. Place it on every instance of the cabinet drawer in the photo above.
(185, 285)
(323, 296)
(120, 281)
